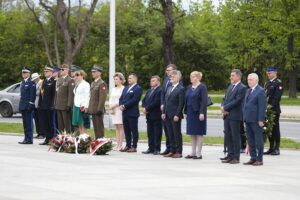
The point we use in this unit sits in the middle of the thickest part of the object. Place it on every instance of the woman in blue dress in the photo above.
(196, 113)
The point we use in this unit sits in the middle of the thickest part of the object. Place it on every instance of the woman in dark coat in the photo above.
(196, 113)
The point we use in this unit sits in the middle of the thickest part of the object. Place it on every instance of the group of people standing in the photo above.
(71, 101)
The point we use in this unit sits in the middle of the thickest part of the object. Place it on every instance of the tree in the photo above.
(171, 14)
(61, 13)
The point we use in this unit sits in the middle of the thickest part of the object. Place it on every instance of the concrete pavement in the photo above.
(29, 172)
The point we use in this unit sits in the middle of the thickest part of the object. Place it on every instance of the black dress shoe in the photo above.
(25, 142)
(156, 152)
(268, 152)
(40, 137)
(165, 152)
(44, 143)
(227, 161)
(225, 158)
(148, 152)
(275, 153)
(197, 157)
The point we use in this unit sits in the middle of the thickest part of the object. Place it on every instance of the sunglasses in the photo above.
(77, 74)
(62, 69)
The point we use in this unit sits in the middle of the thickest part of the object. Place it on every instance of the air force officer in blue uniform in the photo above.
(26, 105)
(254, 116)
(129, 104)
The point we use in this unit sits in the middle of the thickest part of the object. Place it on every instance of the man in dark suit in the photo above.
(274, 90)
(165, 85)
(46, 105)
(151, 108)
(231, 108)
(26, 105)
(172, 114)
(129, 104)
(254, 113)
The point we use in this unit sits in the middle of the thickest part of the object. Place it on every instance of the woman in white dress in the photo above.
(81, 102)
(116, 113)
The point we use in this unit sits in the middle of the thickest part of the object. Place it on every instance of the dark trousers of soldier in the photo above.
(37, 122)
(27, 117)
(275, 137)
(98, 125)
(64, 120)
(48, 125)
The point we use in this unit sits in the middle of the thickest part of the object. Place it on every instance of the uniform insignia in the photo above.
(72, 84)
(103, 88)
(280, 87)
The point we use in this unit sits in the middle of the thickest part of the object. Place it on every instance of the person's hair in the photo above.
(120, 76)
(172, 65)
(156, 77)
(237, 72)
(254, 75)
(134, 75)
(82, 73)
(197, 74)
(177, 73)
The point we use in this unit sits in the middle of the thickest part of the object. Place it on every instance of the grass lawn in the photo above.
(18, 128)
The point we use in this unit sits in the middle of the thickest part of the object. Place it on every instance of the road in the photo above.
(30, 172)
(289, 128)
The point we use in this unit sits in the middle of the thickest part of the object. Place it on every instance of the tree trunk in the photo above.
(56, 46)
(167, 37)
(292, 73)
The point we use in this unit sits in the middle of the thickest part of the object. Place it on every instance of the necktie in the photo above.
(249, 92)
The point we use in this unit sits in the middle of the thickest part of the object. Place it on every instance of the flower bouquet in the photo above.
(82, 143)
(269, 124)
(100, 146)
(69, 144)
(57, 142)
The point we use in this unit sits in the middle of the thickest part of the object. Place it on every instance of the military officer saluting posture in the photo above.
(274, 90)
(26, 105)
(97, 101)
(46, 104)
(64, 98)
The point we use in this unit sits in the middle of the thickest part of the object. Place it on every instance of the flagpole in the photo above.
(112, 48)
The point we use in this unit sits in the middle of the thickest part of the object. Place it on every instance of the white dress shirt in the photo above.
(82, 94)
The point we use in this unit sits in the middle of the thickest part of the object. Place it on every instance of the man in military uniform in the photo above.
(64, 98)
(46, 104)
(274, 90)
(26, 105)
(97, 101)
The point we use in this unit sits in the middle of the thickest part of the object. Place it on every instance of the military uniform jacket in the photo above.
(98, 97)
(274, 90)
(47, 94)
(28, 95)
(64, 96)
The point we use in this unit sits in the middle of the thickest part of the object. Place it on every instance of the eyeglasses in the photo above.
(62, 69)
(77, 74)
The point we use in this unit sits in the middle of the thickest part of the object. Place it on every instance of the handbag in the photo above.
(209, 101)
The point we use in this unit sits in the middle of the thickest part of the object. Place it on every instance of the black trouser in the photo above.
(174, 130)
(154, 132)
(37, 122)
(131, 127)
(233, 138)
(275, 137)
(243, 136)
(167, 134)
(48, 125)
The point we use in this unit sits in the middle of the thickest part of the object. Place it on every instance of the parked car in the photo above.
(9, 100)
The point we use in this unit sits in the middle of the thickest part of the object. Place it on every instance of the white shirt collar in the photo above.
(236, 83)
(97, 79)
(174, 86)
(273, 79)
(131, 86)
(253, 88)
(26, 79)
(65, 76)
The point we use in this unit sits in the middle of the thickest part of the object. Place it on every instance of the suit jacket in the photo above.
(174, 102)
(254, 109)
(98, 97)
(64, 96)
(47, 94)
(274, 92)
(199, 99)
(130, 100)
(234, 100)
(166, 84)
(28, 95)
(151, 103)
